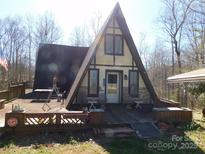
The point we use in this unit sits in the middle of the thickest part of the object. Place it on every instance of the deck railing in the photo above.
(13, 91)
(167, 103)
(174, 115)
(29, 122)
(43, 119)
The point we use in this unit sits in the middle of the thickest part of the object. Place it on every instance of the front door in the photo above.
(113, 87)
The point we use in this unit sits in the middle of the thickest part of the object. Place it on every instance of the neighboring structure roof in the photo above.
(192, 76)
(57, 60)
(93, 48)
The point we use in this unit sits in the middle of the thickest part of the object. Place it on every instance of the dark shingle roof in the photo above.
(57, 60)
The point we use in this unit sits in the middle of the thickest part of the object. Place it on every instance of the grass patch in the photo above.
(72, 141)
(191, 126)
(74, 145)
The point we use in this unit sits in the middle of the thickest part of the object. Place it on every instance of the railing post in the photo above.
(8, 94)
(19, 116)
(58, 118)
(23, 89)
(96, 117)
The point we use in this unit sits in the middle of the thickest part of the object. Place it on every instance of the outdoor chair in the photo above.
(93, 102)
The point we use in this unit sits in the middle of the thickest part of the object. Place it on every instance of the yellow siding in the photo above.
(102, 70)
(125, 60)
(85, 81)
(116, 23)
(101, 58)
(118, 31)
(110, 31)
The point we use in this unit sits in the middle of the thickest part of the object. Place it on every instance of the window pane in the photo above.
(109, 44)
(118, 45)
(112, 78)
(93, 83)
(133, 83)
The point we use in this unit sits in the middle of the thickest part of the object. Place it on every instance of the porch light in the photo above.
(125, 76)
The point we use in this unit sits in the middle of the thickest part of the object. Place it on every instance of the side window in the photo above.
(93, 82)
(133, 83)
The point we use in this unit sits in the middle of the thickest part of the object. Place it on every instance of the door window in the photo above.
(112, 78)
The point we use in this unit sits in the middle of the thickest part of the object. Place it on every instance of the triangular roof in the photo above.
(192, 76)
(117, 13)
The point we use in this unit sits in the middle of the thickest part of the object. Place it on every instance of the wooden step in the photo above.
(118, 132)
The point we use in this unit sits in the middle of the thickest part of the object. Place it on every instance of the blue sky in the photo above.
(141, 15)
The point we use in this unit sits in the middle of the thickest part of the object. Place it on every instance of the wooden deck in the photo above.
(120, 114)
(28, 106)
(114, 114)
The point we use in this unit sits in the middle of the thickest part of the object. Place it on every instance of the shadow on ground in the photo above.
(131, 145)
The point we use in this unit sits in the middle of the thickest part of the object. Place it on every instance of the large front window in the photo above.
(133, 83)
(113, 44)
(93, 81)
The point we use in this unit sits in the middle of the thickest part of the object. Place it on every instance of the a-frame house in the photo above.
(112, 71)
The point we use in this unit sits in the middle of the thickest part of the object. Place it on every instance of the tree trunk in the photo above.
(179, 63)
(16, 67)
(29, 58)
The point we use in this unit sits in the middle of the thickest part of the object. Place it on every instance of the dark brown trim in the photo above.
(137, 95)
(95, 61)
(107, 65)
(121, 90)
(132, 64)
(89, 94)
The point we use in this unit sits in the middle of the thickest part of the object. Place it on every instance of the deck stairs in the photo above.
(119, 132)
(146, 130)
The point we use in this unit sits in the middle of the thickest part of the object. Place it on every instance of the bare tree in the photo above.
(159, 67)
(30, 40)
(96, 23)
(12, 44)
(196, 34)
(199, 7)
(84, 35)
(80, 36)
(143, 49)
(46, 30)
(173, 20)
(18, 41)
